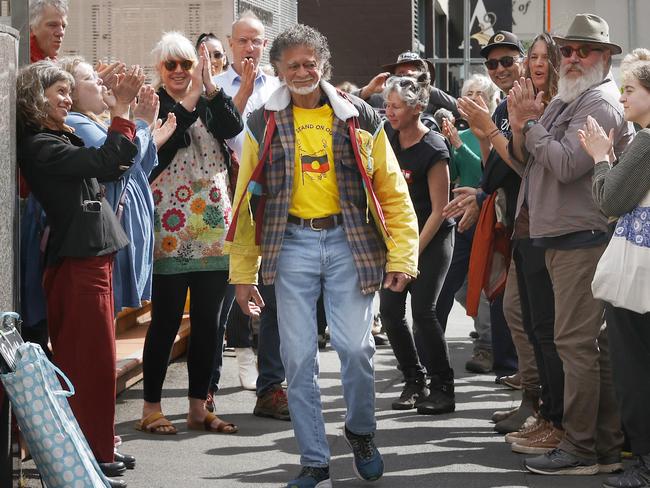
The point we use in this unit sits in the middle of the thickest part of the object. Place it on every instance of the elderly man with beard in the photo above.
(565, 221)
(329, 211)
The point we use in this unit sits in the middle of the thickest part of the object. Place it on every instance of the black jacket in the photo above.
(63, 174)
(219, 115)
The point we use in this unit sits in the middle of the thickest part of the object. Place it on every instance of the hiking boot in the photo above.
(273, 404)
(413, 393)
(544, 441)
(529, 407)
(636, 476)
(513, 381)
(441, 398)
(559, 461)
(312, 477)
(531, 428)
(368, 464)
(500, 415)
(480, 363)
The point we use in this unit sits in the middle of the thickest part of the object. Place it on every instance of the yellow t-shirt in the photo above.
(315, 192)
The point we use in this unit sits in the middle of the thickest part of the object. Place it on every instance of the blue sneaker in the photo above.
(311, 477)
(368, 463)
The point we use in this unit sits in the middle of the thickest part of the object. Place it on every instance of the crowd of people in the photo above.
(283, 199)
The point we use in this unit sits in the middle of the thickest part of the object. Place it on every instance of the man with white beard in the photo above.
(565, 221)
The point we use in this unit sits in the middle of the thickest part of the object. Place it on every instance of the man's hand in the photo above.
(477, 115)
(395, 281)
(596, 142)
(247, 84)
(249, 299)
(523, 104)
(471, 215)
(462, 197)
(376, 85)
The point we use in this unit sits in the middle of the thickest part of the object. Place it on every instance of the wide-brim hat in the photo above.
(591, 29)
(502, 39)
(409, 57)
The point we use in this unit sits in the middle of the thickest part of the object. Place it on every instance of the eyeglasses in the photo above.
(171, 64)
(243, 41)
(505, 61)
(216, 55)
(582, 51)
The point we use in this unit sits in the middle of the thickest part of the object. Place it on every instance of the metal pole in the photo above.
(631, 25)
(467, 52)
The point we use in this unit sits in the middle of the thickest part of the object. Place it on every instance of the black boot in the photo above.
(415, 390)
(441, 397)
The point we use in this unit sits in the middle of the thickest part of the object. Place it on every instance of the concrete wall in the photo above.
(8, 209)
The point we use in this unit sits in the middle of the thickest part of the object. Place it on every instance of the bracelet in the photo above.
(494, 132)
(213, 93)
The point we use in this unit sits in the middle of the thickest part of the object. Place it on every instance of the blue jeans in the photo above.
(311, 261)
(269, 362)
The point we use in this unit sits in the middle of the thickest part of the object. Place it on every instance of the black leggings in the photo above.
(207, 289)
(425, 348)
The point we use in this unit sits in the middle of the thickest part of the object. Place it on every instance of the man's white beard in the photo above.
(568, 89)
(304, 90)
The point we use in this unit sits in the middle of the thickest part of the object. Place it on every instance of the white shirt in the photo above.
(264, 86)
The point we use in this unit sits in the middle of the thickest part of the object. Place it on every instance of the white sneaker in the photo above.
(247, 362)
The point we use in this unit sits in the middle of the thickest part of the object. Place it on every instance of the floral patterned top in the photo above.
(193, 207)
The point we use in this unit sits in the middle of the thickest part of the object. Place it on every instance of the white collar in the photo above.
(343, 109)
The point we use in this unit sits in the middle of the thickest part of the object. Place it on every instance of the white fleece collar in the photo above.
(343, 109)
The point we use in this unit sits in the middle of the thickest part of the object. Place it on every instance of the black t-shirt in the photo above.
(497, 174)
(415, 162)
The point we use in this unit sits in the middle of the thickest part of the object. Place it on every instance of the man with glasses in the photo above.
(504, 56)
(565, 221)
(250, 88)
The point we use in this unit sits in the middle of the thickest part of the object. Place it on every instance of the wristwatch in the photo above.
(528, 125)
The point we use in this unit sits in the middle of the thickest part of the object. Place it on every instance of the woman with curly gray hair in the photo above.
(423, 157)
(84, 235)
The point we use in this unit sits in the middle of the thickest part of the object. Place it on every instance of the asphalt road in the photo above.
(454, 450)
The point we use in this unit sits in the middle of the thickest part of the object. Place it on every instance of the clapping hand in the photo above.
(109, 73)
(451, 133)
(523, 104)
(477, 115)
(464, 204)
(164, 130)
(147, 105)
(596, 142)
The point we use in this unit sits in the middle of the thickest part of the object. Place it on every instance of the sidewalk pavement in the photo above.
(454, 450)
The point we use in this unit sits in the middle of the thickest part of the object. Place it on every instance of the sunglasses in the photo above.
(505, 61)
(216, 55)
(171, 64)
(582, 51)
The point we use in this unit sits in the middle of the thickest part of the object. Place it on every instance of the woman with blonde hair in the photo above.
(622, 189)
(191, 194)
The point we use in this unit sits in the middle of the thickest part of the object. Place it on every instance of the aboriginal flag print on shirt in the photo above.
(315, 192)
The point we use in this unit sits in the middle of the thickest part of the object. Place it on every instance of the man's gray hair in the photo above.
(31, 83)
(36, 8)
(443, 113)
(302, 35)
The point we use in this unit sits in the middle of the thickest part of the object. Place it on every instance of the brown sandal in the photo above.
(144, 425)
(221, 428)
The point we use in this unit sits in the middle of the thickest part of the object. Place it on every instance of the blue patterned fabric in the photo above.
(47, 423)
(635, 227)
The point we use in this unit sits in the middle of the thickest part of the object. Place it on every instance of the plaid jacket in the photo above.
(373, 250)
